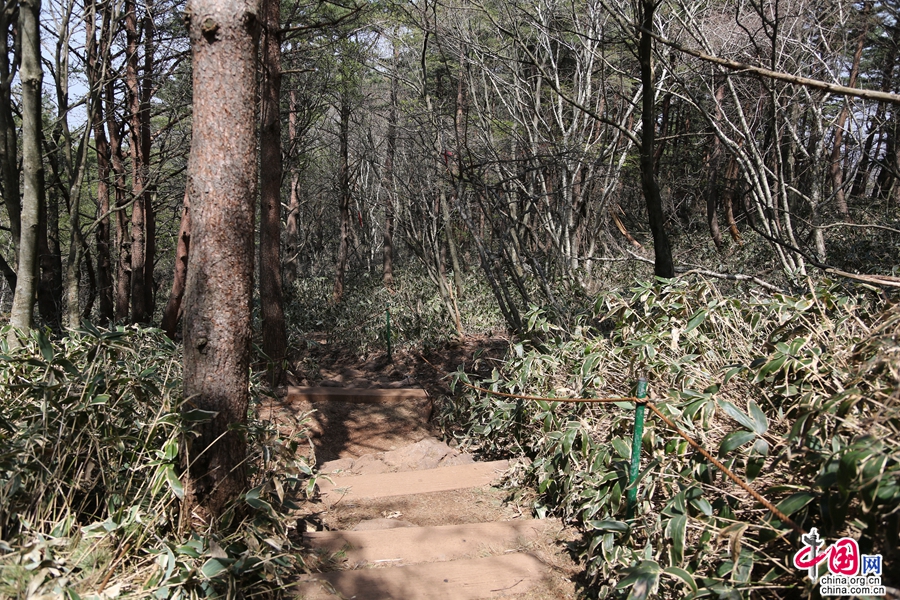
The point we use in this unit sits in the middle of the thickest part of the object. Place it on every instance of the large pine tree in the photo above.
(222, 188)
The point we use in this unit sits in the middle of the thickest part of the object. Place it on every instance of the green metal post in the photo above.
(639, 409)
(387, 313)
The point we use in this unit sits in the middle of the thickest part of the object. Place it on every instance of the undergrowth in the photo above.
(90, 430)
(417, 314)
(798, 395)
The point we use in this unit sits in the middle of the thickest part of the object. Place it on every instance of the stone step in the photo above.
(384, 485)
(411, 545)
(450, 580)
(355, 395)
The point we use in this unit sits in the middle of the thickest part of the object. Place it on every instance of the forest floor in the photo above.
(362, 438)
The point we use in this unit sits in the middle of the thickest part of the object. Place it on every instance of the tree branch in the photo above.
(833, 88)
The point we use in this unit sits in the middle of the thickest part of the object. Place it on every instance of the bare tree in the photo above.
(343, 195)
(663, 265)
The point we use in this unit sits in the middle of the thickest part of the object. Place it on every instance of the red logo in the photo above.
(843, 556)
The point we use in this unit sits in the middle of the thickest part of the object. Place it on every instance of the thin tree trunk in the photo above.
(50, 285)
(8, 273)
(92, 281)
(344, 241)
(663, 129)
(835, 164)
(149, 190)
(271, 295)
(173, 311)
(31, 76)
(102, 234)
(9, 147)
(661, 248)
(864, 170)
(292, 227)
(141, 217)
(387, 260)
(222, 188)
(75, 167)
(713, 167)
(122, 296)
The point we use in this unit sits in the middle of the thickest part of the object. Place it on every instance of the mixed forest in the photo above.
(703, 193)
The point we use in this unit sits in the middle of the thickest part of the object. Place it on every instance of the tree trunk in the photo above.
(9, 148)
(31, 76)
(292, 227)
(836, 166)
(271, 295)
(122, 292)
(344, 241)
(173, 311)
(8, 273)
(50, 263)
(149, 190)
(714, 160)
(387, 260)
(663, 129)
(867, 160)
(222, 188)
(102, 235)
(142, 225)
(663, 252)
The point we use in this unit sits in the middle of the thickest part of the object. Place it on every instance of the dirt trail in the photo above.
(391, 449)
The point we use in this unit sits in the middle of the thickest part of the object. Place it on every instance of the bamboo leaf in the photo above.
(45, 345)
(735, 439)
(696, 321)
(174, 482)
(760, 420)
(737, 414)
(679, 573)
(795, 502)
(675, 530)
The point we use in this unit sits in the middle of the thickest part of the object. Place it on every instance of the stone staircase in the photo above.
(438, 532)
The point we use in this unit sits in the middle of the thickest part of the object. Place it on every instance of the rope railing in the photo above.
(653, 407)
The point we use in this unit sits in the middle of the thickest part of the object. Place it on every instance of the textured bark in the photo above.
(31, 77)
(661, 248)
(174, 307)
(292, 227)
(222, 188)
(142, 224)
(122, 291)
(271, 295)
(344, 202)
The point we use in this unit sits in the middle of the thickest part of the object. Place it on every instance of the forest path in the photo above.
(406, 516)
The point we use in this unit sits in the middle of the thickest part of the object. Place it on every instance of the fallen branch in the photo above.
(732, 277)
(682, 270)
